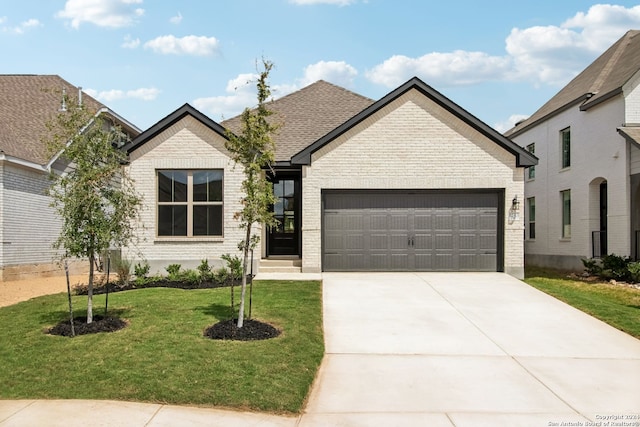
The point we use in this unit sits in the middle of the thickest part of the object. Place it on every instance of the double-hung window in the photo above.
(531, 170)
(531, 209)
(190, 203)
(565, 147)
(565, 197)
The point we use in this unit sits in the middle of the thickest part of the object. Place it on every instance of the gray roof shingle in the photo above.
(27, 103)
(598, 82)
(307, 115)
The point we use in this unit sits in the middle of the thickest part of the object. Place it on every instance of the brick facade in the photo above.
(186, 145)
(411, 143)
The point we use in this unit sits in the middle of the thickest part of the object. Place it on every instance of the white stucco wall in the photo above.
(410, 144)
(186, 145)
(597, 152)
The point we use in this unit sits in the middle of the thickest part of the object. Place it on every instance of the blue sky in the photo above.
(500, 60)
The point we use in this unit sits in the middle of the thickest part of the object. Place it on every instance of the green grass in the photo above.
(618, 306)
(162, 356)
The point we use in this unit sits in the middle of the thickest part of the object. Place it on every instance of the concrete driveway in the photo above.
(466, 349)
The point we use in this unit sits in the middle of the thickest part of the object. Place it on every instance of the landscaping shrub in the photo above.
(613, 267)
(634, 271)
(123, 269)
(234, 264)
(173, 270)
(205, 270)
(141, 271)
(221, 275)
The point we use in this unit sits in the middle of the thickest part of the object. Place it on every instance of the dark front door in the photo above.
(285, 235)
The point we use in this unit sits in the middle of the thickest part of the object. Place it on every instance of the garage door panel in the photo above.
(423, 231)
(468, 241)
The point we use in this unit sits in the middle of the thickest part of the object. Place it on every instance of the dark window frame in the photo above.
(565, 200)
(531, 170)
(565, 148)
(531, 217)
(189, 210)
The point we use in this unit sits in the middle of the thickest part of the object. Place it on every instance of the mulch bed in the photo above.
(252, 330)
(163, 283)
(81, 327)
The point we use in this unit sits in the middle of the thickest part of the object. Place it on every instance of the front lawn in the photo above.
(616, 305)
(162, 356)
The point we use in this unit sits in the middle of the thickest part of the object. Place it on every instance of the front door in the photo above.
(284, 236)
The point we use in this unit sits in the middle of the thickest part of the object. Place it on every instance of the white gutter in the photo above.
(103, 110)
(24, 163)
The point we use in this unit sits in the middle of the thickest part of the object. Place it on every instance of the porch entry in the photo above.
(284, 237)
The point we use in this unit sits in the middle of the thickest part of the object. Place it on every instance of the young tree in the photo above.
(93, 196)
(254, 150)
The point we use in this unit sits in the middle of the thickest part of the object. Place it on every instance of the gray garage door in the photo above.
(411, 231)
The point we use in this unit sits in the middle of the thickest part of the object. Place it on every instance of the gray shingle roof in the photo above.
(632, 133)
(307, 115)
(27, 103)
(601, 80)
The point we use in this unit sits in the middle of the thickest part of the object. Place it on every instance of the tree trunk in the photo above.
(245, 251)
(92, 259)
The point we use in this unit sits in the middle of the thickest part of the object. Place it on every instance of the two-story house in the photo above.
(582, 200)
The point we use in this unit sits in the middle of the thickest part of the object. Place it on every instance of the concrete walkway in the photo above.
(432, 349)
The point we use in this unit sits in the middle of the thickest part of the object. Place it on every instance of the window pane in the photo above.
(278, 189)
(172, 186)
(207, 186)
(207, 220)
(566, 213)
(532, 209)
(288, 188)
(566, 148)
(278, 208)
(532, 230)
(172, 220)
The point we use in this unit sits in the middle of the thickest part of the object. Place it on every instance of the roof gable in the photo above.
(523, 157)
(170, 120)
(308, 114)
(600, 81)
(27, 104)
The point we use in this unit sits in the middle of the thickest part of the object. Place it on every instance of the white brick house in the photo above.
(582, 199)
(409, 182)
(28, 225)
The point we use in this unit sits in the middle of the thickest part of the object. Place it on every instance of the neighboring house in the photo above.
(28, 225)
(411, 182)
(583, 198)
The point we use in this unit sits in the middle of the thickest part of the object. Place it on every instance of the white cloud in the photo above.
(24, 26)
(103, 13)
(241, 90)
(505, 125)
(130, 43)
(332, 2)
(549, 55)
(441, 69)
(555, 54)
(176, 19)
(240, 96)
(144, 94)
(188, 45)
(337, 72)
